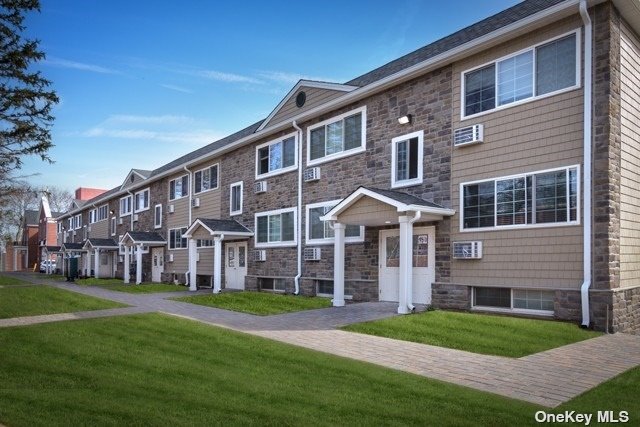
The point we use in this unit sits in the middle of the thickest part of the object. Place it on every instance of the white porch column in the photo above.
(96, 263)
(127, 264)
(193, 263)
(405, 285)
(62, 258)
(217, 264)
(338, 265)
(87, 263)
(138, 264)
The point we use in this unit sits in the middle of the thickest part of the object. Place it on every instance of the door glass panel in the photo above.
(421, 250)
(242, 256)
(161, 259)
(231, 256)
(155, 260)
(393, 251)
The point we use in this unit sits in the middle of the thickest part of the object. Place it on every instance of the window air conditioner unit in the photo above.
(120, 221)
(170, 258)
(312, 254)
(260, 187)
(260, 255)
(195, 202)
(170, 208)
(467, 250)
(468, 135)
(135, 217)
(311, 174)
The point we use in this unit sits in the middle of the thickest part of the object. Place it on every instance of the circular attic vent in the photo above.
(301, 98)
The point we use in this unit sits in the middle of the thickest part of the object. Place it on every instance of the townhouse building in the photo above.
(495, 169)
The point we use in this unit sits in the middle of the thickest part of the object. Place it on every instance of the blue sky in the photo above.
(144, 82)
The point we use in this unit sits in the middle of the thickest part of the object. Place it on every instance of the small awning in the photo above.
(142, 238)
(377, 207)
(108, 244)
(231, 229)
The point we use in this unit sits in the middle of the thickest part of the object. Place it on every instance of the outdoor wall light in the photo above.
(405, 119)
(111, 212)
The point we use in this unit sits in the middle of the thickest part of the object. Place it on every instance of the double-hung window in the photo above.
(157, 216)
(543, 69)
(406, 159)
(235, 198)
(547, 197)
(179, 187)
(277, 157)
(276, 228)
(337, 137)
(113, 226)
(206, 179)
(93, 213)
(103, 213)
(142, 200)
(77, 221)
(176, 241)
(125, 206)
(319, 232)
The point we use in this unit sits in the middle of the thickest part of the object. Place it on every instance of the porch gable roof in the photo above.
(100, 244)
(71, 247)
(217, 227)
(143, 237)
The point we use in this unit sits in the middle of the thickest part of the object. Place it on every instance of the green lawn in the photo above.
(39, 299)
(118, 285)
(158, 370)
(260, 303)
(10, 281)
(478, 333)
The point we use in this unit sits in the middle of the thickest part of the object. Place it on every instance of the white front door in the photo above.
(235, 265)
(157, 264)
(424, 259)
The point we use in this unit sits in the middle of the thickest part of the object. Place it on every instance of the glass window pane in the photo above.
(480, 90)
(353, 131)
(393, 251)
(274, 228)
(275, 156)
(289, 152)
(573, 194)
(263, 160)
(479, 205)
(515, 78)
(206, 180)
(402, 168)
(242, 256)
(263, 229)
(492, 297)
(556, 65)
(334, 138)
(352, 231)
(287, 227)
(551, 193)
(317, 143)
(198, 183)
(315, 225)
(421, 250)
(413, 158)
(325, 287)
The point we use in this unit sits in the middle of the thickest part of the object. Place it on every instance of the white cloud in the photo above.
(195, 138)
(176, 88)
(64, 63)
(226, 77)
(165, 119)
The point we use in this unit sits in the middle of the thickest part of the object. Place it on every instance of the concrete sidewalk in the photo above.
(548, 378)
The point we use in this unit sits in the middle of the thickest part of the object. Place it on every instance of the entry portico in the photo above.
(98, 246)
(375, 207)
(218, 230)
(141, 241)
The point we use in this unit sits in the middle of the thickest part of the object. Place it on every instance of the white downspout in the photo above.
(410, 289)
(187, 274)
(296, 280)
(586, 260)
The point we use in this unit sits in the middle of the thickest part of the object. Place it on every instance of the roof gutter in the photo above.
(586, 146)
(558, 11)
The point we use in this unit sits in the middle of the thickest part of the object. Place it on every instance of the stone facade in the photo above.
(450, 296)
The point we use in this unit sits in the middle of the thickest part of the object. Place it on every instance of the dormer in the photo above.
(304, 96)
(134, 177)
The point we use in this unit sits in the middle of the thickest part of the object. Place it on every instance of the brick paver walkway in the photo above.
(548, 378)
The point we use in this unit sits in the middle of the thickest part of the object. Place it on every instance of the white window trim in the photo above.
(135, 208)
(474, 307)
(175, 179)
(130, 206)
(346, 153)
(98, 212)
(217, 165)
(93, 215)
(281, 170)
(289, 243)
(326, 240)
(114, 223)
(535, 97)
(394, 153)
(155, 224)
(520, 226)
(236, 184)
(77, 220)
(169, 239)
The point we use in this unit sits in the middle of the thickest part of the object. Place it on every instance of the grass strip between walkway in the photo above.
(260, 303)
(131, 288)
(40, 299)
(477, 333)
(10, 281)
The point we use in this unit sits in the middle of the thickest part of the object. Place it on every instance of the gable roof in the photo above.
(130, 178)
(310, 84)
(479, 29)
(71, 246)
(100, 243)
(218, 227)
(143, 237)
